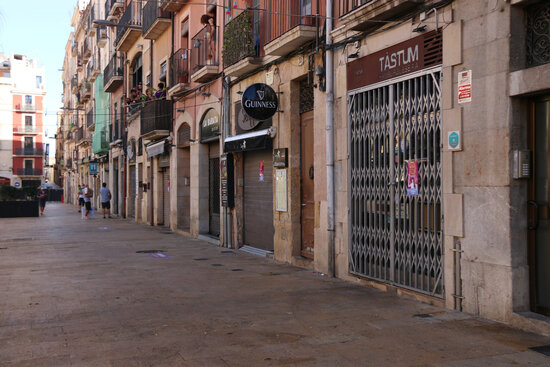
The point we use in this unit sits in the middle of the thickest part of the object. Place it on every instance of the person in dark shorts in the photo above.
(105, 195)
(41, 195)
(80, 198)
(88, 195)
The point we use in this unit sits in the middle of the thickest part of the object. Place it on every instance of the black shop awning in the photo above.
(250, 141)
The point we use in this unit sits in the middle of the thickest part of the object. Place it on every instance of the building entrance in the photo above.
(396, 233)
(539, 194)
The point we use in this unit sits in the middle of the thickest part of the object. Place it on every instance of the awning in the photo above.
(249, 141)
(155, 149)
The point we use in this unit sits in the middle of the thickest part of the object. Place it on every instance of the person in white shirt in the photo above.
(88, 195)
(105, 195)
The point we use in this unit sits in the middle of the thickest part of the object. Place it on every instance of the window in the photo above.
(162, 75)
(28, 121)
(137, 69)
(29, 142)
(28, 99)
(38, 81)
(28, 164)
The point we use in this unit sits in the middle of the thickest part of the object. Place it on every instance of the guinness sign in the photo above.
(259, 101)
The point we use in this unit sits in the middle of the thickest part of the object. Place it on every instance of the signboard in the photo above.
(281, 201)
(280, 158)
(93, 168)
(226, 177)
(259, 101)
(454, 142)
(465, 86)
(404, 58)
(210, 125)
(17, 184)
(4, 181)
(412, 178)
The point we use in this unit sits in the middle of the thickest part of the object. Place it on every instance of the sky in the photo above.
(39, 29)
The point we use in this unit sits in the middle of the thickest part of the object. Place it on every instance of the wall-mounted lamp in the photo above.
(354, 55)
(206, 94)
(420, 29)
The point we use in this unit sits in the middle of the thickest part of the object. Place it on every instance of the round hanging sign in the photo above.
(259, 101)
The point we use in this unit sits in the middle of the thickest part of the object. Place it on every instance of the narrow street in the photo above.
(80, 293)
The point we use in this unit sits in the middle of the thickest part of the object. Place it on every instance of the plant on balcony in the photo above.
(238, 40)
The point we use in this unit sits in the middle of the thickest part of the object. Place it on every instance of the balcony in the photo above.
(155, 20)
(91, 18)
(102, 36)
(241, 44)
(86, 91)
(129, 27)
(156, 119)
(81, 138)
(75, 86)
(204, 55)
(366, 15)
(69, 164)
(92, 71)
(113, 75)
(113, 9)
(27, 130)
(90, 119)
(69, 136)
(86, 50)
(171, 5)
(29, 172)
(74, 49)
(179, 72)
(289, 26)
(26, 107)
(79, 64)
(28, 151)
(114, 133)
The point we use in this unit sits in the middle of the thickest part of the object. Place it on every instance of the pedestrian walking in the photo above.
(88, 195)
(42, 195)
(105, 195)
(80, 198)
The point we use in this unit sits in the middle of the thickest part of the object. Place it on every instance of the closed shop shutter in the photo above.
(166, 197)
(258, 200)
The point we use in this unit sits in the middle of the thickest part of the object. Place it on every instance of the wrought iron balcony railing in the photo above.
(28, 151)
(90, 118)
(241, 38)
(156, 115)
(347, 6)
(288, 14)
(155, 20)
(29, 171)
(205, 48)
(78, 135)
(131, 19)
(26, 107)
(113, 74)
(179, 67)
(27, 130)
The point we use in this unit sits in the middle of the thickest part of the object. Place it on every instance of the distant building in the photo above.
(22, 93)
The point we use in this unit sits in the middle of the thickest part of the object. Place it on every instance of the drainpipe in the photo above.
(228, 233)
(330, 137)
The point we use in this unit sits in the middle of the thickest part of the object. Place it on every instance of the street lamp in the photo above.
(108, 23)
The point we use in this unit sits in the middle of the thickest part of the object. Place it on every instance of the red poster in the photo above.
(412, 178)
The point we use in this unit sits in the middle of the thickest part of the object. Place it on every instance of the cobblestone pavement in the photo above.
(78, 293)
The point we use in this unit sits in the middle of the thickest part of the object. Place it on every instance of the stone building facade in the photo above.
(406, 151)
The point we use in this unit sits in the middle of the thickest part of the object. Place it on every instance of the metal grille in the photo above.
(306, 96)
(397, 238)
(538, 35)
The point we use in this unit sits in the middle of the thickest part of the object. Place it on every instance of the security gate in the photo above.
(395, 237)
